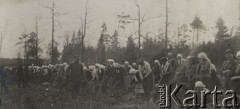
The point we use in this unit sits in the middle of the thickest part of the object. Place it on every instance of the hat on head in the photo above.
(163, 59)
(199, 84)
(229, 51)
(238, 54)
(134, 64)
(202, 55)
(189, 57)
(156, 61)
(179, 55)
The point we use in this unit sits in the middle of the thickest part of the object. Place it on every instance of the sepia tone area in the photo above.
(114, 54)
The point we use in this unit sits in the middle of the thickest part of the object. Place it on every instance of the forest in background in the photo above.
(151, 48)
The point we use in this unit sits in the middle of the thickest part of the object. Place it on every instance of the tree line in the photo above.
(151, 47)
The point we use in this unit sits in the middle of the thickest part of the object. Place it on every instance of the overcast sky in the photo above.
(20, 16)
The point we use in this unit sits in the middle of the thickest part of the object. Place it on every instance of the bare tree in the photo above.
(166, 28)
(37, 39)
(3, 33)
(54, 14)
(84, 28)
(141, 19)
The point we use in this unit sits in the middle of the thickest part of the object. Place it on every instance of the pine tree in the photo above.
(114, 40)
(73, 38)
(131, 50)
(222, 30)
(221, 39)
(56, 53)
(78, 38)
(101, 45)
(197, 25)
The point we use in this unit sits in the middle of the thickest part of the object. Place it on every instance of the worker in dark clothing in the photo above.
(76, 77)
(172, 61)
(110, 75)
(26, 74)
(20, 74)
(228, 68)
(3, 77)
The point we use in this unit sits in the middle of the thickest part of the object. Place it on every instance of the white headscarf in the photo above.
(179, 55)
(199, 84)
(203, 56)
(157, 62)
(238, 54)
(126, 63)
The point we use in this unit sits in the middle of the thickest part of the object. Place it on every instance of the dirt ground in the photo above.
(47, 96)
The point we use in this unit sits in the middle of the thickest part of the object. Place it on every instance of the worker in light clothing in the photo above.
(146, 76)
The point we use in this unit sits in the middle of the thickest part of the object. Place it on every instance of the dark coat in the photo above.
(20, 72)
(76, 71)
(229, 65)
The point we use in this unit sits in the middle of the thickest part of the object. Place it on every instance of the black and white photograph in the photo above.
(119, 54)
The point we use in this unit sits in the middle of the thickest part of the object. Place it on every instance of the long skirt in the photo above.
(127, 81)
(148, 84)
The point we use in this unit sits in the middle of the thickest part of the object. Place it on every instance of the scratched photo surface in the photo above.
(119, 54)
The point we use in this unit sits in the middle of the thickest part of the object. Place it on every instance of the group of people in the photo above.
(192, 72)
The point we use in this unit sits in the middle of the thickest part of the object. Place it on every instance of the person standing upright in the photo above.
(172, 61)
(157, 71)
(76, 76)
(235, 80)
(203, 72)
(3, 77)
(189, 70)
(20, 73)
(228, 68)
(26, 74)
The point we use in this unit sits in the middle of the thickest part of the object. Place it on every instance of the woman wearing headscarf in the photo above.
(127, 76)
(157, 71)
(179, 76)
(146, 76)
(136, 79)
(204, 70)
(126, 67)
(180, 59)
(180, 63)
(228, 68)
(189, 70)
(235, 79)
(168, 71)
